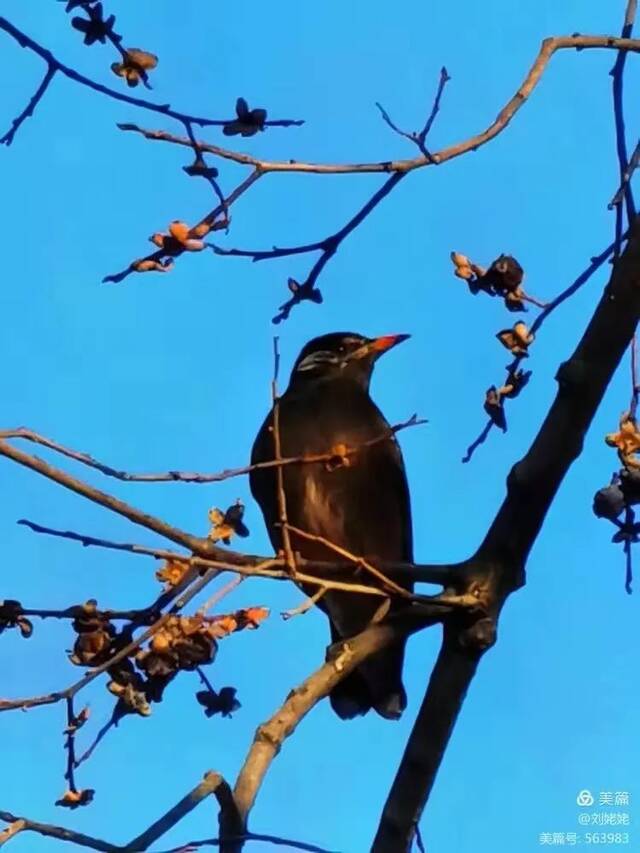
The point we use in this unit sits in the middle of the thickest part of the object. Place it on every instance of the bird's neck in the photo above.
(333, 384)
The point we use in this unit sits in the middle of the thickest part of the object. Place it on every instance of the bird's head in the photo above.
(342, 354)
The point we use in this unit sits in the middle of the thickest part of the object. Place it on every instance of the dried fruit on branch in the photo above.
(172, 572)
(503, 278)
(134, 66)
(78, 721)
(225, 525)
(131, 699)
(249, 617)
(11, 616)
(95, 635)
(75, 799)
(247, 123)
(152, 265)
(517, 340)
(179, 239)
(223, 702)
(626, 441)
(494, 398)
(95, 27)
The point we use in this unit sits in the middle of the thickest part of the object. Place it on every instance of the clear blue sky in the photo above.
(173, 372)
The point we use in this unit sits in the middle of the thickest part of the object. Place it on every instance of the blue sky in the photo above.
(173, 371)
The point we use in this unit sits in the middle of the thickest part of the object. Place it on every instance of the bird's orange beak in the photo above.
(376, 346)
(385, 343)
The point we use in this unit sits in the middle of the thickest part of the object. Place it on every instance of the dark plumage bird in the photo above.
(363, 506)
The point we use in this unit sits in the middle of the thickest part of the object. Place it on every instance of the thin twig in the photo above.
(290, 558)
(50, 830)
(596, 262)
(194, 476)
(208, 219)
(29, 110)
(70, 745)
(548, 48)
(419, 138)
(358, 561)
(213, 783)
(617, 74)
(276, 840)
(71, 691)
(444, 575)
(221, 593)
(306, 605)
(111, 723)
(54, 65)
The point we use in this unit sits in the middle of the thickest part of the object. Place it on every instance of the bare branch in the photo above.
(29, 110)
(617, 74)
(51, 831)
(549, 47)
(213, 783)
(497, 569)
(444, 575)
(358, 561)
(55, 65)
(195, 476)
(343, 658)
(277, 840)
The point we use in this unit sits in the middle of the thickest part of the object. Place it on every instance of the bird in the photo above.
(362, 506)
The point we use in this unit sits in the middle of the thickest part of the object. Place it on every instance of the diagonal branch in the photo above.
(195, 476)
(548, 48)
(49, 830)
(342, 659)
(29, 110)
(447, 574)
(498, 566)
(213, 783)
(196, 586)
(55, 65)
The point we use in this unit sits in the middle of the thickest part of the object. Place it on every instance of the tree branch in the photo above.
(342, 659)
(213, 783)
(498, 565)
(444, 575)
(51, 831)
(55, 65)
(548, 48)
(195, 476)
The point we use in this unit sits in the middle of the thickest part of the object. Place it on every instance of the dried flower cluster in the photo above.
(11, 616)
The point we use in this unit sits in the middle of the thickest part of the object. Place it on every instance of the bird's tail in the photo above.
(376, 683)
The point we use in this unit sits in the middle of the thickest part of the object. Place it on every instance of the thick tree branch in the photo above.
(424, 751)
(213, 783)
(498, 566)
(343, 658)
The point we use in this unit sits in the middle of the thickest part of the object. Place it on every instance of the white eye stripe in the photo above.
(315, 359)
